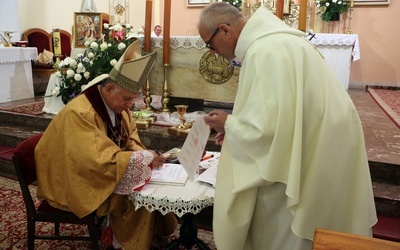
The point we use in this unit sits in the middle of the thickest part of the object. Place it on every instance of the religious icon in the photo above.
(88, 27)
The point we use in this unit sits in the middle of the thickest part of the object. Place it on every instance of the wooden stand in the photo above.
(178, 132)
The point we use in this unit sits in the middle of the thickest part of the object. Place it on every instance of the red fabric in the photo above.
(25, 152)
(40, 41)
(387, 228)
(146, 181)
(6, 152)
(107, 236)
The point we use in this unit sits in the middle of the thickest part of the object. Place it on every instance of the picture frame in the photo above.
(87, 26)
(198, 3)
(371, 2)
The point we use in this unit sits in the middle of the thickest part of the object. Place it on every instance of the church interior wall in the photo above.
(375, 26)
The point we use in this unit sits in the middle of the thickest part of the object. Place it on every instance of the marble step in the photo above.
(14, 128)
(34, 122)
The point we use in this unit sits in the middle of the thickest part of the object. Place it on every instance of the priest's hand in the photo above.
(219, 138)
(158, 159)
(216, 119)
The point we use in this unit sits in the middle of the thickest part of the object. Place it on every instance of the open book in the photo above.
(169, 174)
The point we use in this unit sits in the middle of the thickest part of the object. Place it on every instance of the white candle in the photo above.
(56, 41)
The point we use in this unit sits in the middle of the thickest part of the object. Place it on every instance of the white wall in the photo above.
(9, 20)
(47, 14)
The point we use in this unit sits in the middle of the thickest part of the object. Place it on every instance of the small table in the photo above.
(185, 201)
(339, 51)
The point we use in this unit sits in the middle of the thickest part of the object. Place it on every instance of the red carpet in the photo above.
(34, 108)
(13, 227)
(388, 98)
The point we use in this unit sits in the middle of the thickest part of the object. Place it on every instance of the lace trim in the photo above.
(137, 174)
(166, 205)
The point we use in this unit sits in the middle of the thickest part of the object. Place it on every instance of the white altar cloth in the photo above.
(16, 82)
(339, 51)
(52, 104)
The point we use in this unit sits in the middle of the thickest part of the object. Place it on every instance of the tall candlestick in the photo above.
(303, 15)
(56, 41)
(279, 8)
(167, 27)
(147, 25)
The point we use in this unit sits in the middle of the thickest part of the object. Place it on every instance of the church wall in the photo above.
(375, 25)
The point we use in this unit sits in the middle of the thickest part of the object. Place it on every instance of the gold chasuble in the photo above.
(79, 167)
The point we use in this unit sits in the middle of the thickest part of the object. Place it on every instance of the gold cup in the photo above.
(181, 109)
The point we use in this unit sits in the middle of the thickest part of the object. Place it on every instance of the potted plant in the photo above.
(330, 10)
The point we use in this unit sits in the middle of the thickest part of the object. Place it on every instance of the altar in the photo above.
(339, 51)
(183, 76)
(16, 81)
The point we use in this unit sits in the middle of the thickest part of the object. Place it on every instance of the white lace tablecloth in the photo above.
(16, 82)
(190, 198)
(178, 42)
(339, 39)
(339, 50)
(17, 54)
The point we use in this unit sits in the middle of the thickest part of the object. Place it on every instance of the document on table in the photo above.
(169, 173)
(210, 173)
(193, 147)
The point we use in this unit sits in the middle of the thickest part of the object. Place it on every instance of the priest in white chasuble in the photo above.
(293, 155)
(90, 157)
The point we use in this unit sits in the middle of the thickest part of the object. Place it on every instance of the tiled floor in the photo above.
(382, 136)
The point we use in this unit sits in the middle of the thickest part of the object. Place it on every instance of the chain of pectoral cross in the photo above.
(118, 136)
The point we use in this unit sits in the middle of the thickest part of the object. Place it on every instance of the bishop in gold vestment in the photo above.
(90, 157)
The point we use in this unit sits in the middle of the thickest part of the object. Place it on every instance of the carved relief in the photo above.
(214, 68)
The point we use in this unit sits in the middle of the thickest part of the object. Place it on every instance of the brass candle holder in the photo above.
(165, 99)
(348, 30)
(148, 98)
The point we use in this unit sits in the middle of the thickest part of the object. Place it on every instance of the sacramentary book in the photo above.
(169, 174)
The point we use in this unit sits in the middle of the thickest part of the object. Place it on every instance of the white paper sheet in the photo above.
(194, 146)
(169, 173)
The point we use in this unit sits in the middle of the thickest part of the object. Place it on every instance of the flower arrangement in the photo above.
(99, 58)
(329, 8)
(236, 3)
(235, 63)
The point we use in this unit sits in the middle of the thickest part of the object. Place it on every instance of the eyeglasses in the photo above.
(212, 37)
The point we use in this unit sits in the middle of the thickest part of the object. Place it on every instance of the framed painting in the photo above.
(87, 27)
(371, 2)
(198, 3)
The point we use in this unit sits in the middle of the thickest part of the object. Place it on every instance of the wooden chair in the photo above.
(38, 38)
(325, 239)
(42, 40)
(105, 18)
(24, 164)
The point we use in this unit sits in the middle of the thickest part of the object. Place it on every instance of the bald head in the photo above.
(220, 26)
(217, 13)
